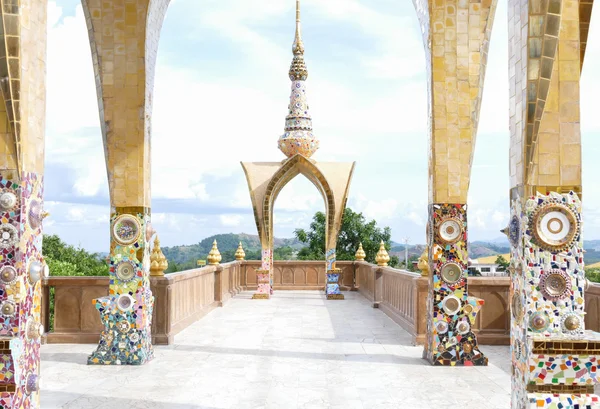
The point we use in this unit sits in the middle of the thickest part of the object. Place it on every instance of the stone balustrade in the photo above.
(184, 297)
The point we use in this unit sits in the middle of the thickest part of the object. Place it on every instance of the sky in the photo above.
(220, 97)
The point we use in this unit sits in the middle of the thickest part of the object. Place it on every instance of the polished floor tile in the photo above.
(296, 350)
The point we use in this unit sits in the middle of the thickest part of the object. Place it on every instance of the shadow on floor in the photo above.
(78, 358)
(379, 358)
(59, 399)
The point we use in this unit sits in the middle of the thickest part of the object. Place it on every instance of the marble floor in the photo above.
(294, 351)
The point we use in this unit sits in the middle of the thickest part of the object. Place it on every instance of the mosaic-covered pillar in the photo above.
(555, 361)
(456, 37)
(22, 266)
(333, 275)
(264, 276)
(124, 42)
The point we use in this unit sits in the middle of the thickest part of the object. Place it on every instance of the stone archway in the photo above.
(266, 179)
(265, 182)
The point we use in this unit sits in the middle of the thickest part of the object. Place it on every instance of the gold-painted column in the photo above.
(456, 36)
(22, 129)
(554, 359)
(124, 38)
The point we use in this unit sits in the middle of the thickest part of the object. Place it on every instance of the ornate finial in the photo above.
(214, 257)
(360, 253)
(158, 261)
(423, 264)
(298, 137)
(382, 257)
(298, 71)
(239, 253)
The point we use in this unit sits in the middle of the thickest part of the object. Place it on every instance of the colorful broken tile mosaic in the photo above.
(264, 276)
(298, 137)
(127, 312)
(451, 312)
(21, 269)
(549, 344)
(332, 288)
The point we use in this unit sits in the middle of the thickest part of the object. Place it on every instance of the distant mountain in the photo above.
(226, 243)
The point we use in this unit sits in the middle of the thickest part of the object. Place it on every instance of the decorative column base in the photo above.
(125, 339)
(555, 361)
(263, 279)
(562, 401)
(451, 312)
(127, 312)
(332, 289)
(21, 269)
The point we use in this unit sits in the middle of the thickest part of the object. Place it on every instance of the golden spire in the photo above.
(382, 257)
(298, 47)
(423, 264)
(158, 261)
(298, 137)
(214, 256)
(360, 253)
(298, 70)
(240, 254)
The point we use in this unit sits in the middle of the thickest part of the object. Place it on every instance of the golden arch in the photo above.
(294, 166)
(267, 179)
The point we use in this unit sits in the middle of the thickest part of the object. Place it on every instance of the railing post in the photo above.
(45, 303)
(377, 282)
(219, 285)
(354, 286)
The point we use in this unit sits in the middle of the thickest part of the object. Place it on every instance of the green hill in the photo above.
(185, 257)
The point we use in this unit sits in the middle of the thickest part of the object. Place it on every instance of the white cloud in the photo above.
(368, 100)
(231, 220)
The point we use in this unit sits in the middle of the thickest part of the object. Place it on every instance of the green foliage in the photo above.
(66, 260)
(502, 263)
(354, 230)
(283, 253)
(593, 274)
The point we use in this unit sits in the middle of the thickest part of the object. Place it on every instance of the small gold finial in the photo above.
(298, 70)
(382, 257)
(423, 264)
(158, 261)
(239, 253)
(298, 46)
(214, 257)
(360, 253)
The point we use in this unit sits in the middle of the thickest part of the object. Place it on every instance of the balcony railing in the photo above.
(185, 297)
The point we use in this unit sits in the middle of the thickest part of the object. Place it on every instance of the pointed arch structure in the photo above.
(23, 36)
(124, 38)
(547, 46)
(267, 179)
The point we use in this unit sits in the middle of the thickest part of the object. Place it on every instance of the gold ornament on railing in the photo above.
(360, 253)
(158, 261)
(382, 257)
(423, 264)
(240, 255)
(214, 257)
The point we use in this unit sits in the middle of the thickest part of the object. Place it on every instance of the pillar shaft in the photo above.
(456, 37)
(124, 38)
(22, 128)
(554, 359)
